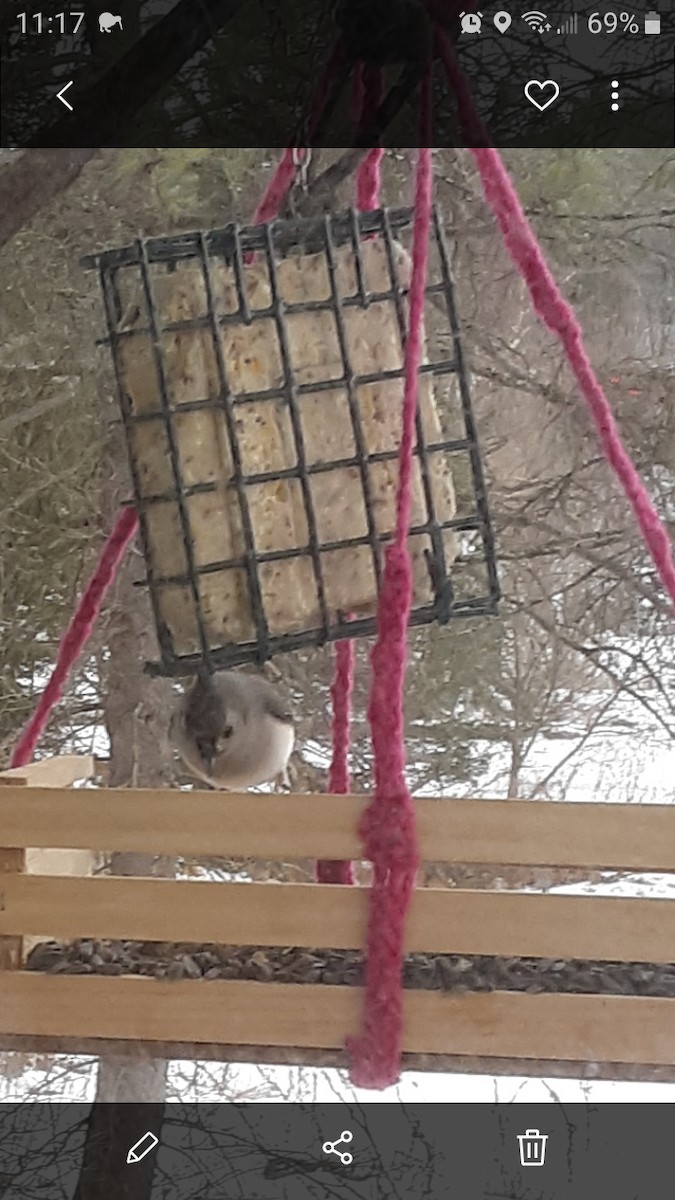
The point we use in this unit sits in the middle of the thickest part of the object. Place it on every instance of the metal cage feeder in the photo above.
(260, 374)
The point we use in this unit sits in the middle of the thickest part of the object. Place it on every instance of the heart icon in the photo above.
(535, 91)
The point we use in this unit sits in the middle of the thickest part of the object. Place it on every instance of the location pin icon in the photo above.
(502, 21)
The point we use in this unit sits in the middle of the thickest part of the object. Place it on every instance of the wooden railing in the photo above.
(621, 1035)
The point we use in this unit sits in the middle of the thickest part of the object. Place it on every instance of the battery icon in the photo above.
(652, 22)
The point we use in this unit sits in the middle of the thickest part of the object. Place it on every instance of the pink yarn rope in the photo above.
(473, 129)
(77, 633)
(368, 92)
(277, 188)
(339, 782)
(558, 316)
(388, 825)
(367, 96)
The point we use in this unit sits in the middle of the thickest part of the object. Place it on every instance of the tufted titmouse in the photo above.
(233, 730)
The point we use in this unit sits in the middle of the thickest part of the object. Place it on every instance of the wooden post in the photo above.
(12, 861)
(59, 772)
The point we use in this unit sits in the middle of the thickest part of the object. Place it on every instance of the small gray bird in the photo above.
(233, 730)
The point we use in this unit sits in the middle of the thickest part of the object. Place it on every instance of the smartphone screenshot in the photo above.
(337, 596)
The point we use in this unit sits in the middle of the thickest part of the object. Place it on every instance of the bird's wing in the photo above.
(204, 710)
(276, 706)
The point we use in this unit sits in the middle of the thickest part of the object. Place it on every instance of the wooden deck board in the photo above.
(591, 1029)
(507, 832)
(623, 929)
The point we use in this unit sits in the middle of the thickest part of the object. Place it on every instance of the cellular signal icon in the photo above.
(570, 26)
(537, 20)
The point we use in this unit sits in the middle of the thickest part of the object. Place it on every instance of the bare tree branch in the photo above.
(34, 179)
(8, 424)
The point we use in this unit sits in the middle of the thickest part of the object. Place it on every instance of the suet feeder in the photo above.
(260, 375)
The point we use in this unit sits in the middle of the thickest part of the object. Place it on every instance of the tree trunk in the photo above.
(32, 179)
(137, 711)
(112, 1130)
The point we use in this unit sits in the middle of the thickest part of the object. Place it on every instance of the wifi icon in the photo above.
(537, 20)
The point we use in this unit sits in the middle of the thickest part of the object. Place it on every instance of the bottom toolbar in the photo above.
(267, 1151)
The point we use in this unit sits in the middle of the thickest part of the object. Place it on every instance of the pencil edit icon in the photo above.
(142, 1147)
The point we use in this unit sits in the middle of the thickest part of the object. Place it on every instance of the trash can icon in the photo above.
(532, 1145)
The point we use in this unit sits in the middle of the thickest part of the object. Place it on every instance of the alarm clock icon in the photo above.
(471, 22)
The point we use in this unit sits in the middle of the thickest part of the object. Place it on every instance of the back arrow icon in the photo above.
(60, 96)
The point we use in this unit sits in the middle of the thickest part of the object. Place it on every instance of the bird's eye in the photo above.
(228, 731)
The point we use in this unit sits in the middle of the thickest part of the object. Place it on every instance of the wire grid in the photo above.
(235, 247)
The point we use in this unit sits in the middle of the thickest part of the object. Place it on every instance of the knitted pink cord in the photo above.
(77, 633)
(558, 315)
(388, 825)
(275, 192)
(366, 97)
(334, 870)
(560, 318)
(369, 88)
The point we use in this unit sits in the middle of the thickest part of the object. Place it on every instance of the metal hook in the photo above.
(301, 157)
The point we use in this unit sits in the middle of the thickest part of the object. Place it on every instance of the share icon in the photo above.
(345, 1157)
